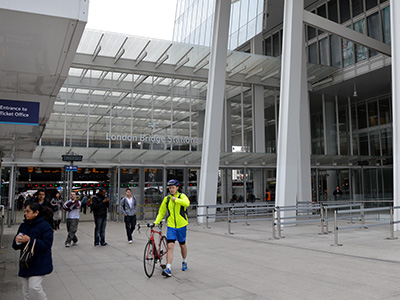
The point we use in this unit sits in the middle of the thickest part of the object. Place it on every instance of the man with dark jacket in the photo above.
(46, 212)
(99, 207)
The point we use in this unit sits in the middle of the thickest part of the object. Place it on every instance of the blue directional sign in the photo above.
(71, 168)
(19, 112)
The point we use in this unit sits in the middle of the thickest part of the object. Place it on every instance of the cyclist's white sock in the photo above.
(184, 260)
(169, 266)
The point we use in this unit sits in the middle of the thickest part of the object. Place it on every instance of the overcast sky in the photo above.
(148, 18)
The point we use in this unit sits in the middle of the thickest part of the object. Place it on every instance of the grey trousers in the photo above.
(72, 228)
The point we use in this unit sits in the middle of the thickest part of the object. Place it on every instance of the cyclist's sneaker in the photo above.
(184, 266)
(167, 273)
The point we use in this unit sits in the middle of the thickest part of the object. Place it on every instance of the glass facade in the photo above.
(370, 127)
(195, 18)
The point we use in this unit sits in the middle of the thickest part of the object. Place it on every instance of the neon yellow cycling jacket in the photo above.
(177, 210)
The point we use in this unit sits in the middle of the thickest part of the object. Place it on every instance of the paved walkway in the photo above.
(245, 265)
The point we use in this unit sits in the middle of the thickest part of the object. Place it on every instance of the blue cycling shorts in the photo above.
(174, 234)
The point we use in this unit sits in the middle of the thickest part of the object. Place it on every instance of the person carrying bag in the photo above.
(34, 239)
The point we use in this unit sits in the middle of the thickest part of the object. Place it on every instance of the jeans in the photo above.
(130, 223)
(72, 228)
(100, 230)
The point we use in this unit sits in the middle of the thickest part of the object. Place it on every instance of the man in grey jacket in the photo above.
(128, 209)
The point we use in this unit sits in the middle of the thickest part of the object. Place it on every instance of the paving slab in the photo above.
(247, 264)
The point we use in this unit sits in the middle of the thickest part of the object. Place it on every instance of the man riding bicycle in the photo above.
(176, 204)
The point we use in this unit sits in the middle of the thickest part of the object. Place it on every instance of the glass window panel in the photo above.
(252, 9)
(321, 11)
(242, 35)
(235, 16)
(374, 29)
(361, 51)
(373, 114)
(386, 140)
(275, 44)
(343, 131)
(371, 3)
(335, 51)
(386, 25)
(355, 144)
(357, 6)
(259, 23)
(268, 46)
(251, 28)
(332, 11)
(312, 53)
(362, 115)
(311, 32)
(344, 8)
(384, 111)
(348, 53)
(375, 143)
(324, 51)
(244, 9)
(234, 40)
(383, 1)
(364, 143)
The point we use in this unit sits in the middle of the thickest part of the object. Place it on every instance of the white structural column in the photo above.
(290, 100)
(304, 172)
(395, 44)
(214, 107)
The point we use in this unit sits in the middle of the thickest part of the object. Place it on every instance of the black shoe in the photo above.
(104, 244)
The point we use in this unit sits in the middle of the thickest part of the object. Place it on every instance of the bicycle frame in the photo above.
(154, 251)
(158, 255)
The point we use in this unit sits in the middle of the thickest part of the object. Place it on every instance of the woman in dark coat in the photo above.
(35, 228)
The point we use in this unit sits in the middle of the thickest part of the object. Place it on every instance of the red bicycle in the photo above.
(155, 249)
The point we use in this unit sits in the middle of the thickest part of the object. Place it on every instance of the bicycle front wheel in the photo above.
(148, 259)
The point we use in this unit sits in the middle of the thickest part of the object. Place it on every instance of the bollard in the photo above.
(278, 214)
(273, 225)
(392, 237)
(335, 229)
(326, 220)
(207, 218)
(322, 220)
(362, 214)
(245, 215)
(229, 220)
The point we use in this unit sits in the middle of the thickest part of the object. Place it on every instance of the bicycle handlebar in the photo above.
(152, 225)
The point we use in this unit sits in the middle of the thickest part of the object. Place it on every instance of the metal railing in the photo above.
(298, 218)
(328, 207)
(391, 222)
(250, 213)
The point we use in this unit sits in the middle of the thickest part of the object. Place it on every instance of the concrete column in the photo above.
(395, 45)
(200, 128)
(331, 147)
(214, 107)
(304, 189)
(290, 99)
(258, 111)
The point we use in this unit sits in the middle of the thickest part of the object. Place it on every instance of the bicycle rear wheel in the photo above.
(163, 251)
(149, 261)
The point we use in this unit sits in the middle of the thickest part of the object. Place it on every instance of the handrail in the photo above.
(363, 210)
(311, 218)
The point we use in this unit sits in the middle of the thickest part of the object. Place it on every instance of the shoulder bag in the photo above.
(27, 255)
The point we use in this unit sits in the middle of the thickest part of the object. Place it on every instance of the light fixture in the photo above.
(355, 91)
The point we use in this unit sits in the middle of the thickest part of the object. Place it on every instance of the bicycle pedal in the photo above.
(163, 266)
